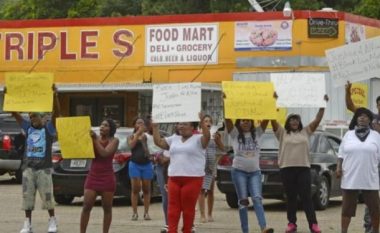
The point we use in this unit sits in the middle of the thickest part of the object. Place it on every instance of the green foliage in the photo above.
(218, 6)
(167, 7)
(369, 8)
(85, 9)
(41, 9)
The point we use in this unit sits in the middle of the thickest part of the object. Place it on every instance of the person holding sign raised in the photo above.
(37, 163)
(294, 163)
(376, 126)
(358, 159)
(245, 173)
(186, 171)
(101, 178)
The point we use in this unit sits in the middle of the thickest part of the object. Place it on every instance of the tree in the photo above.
(369, 8)
(164, 7)
(218, 6)
(42, 9)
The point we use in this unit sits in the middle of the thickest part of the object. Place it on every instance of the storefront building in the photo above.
(106, 67)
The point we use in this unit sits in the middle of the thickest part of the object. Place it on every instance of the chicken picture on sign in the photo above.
(181, 44)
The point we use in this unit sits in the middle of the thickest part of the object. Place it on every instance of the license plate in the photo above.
(78, 163)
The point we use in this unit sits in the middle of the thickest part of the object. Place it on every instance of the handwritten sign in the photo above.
(181, 44)
(355, 62)
(179, 102)
(359, 94)
(28, 92)
(74, 137)
(322, 28)
(299, 90)
(249, 100)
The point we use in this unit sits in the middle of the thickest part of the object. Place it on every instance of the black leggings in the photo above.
(297, 182)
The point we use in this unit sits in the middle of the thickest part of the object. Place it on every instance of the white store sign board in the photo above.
(355, 62)
(179, 102)
(181, 44)
(299, 90)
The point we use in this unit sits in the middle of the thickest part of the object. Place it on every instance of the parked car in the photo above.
(12, 142)
(69, 175)
(323, 151)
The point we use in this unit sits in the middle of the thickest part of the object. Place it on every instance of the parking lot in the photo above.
(226, 219)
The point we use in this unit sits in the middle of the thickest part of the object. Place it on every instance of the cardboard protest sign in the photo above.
(177, 102)
(72, 130)
(28, 92)
(299, 90)
(249, 100)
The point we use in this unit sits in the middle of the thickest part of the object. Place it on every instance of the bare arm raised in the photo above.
(315, 123)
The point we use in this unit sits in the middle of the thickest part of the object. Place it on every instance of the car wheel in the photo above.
(322, 196)
(232, 200)
(18, 176)
(63, 199)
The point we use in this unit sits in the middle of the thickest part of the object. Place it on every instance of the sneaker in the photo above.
(52, 225)
(268, 230)
(315, 228)
(164, 229)
(292, 228)
(147, 217)
(193, 230)
(27, 228)
(135, 216)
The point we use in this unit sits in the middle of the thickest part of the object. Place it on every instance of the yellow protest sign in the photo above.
(249, 100)
(28, 92)
(74, 137)
(359, 94)
(281, 118)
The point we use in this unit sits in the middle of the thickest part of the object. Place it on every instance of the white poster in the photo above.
(355, 62)
(179, 102)
(354, 32)
(299, 90)
(263, 35)
(181, 44)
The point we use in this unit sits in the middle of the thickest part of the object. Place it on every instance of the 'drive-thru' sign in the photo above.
(182, 44)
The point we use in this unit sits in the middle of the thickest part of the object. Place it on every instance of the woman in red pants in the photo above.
(186, 171)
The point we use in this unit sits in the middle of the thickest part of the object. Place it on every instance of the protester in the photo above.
(358, 159)
(294, 163)
(245, 173)
(186, 171)
(140, 168)
(207, 191)
(37, 163)
(101, 178)
(161, 163)
(376, 126)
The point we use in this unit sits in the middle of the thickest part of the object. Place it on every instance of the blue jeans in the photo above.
(161, 182)
(248, 183)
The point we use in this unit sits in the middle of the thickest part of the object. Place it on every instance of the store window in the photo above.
(98, 108)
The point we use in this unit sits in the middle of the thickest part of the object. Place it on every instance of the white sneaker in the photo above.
(52, 225)
(27, 228)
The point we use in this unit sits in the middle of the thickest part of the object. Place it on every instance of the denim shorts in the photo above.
(140, 171)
